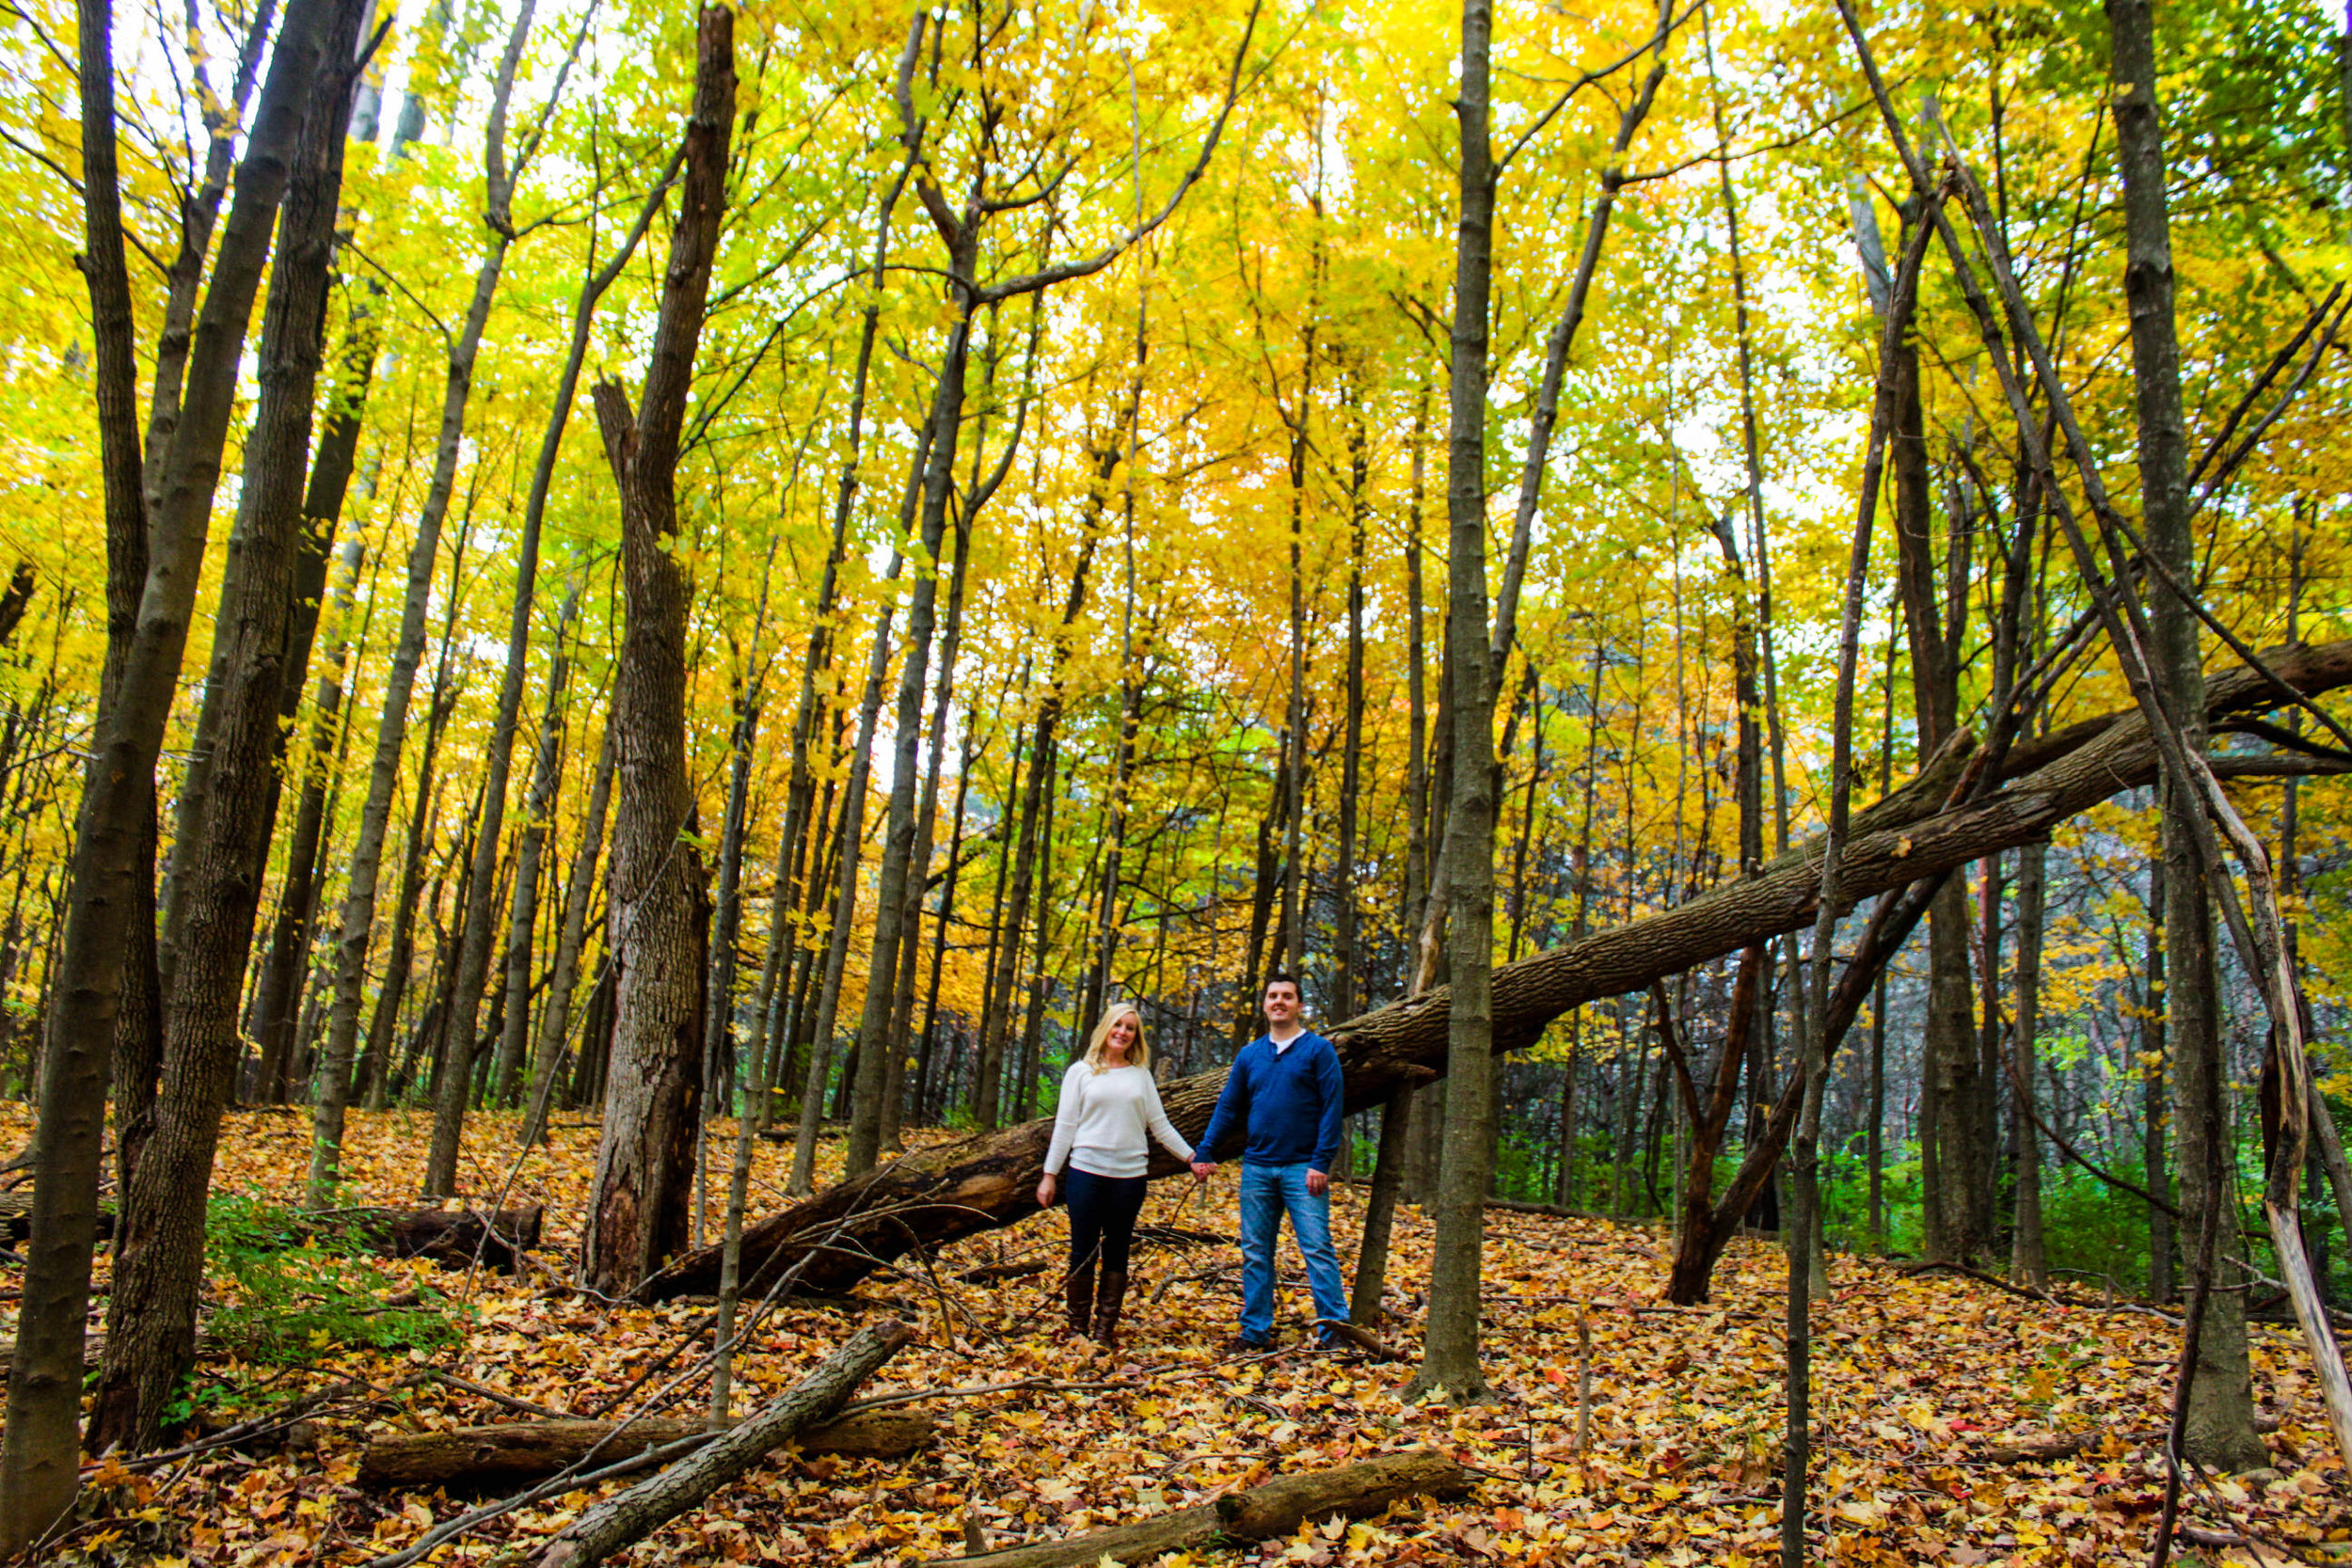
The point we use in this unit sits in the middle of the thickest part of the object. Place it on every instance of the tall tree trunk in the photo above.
(290, 940)
(845, 889)
(1416, 911)
(997, 1023)
(375, 1082)
(2156, 1099)
(1033, 1031)
(538, 816)
(481, 922)
(1874, 1120)
(637, 1212)
(1346, 962)
(726, 920)
(322, 510)
(891, 1106)
(1956, 1164)
(1290, 951)
(899, 826)
(997, 968)
(40, 1458)
(2028, 1262)
(376, 1085)
(1450, 1360)
(927, 1045)
(139, 1020)
(1131, 682)
(2220, 1430)
(159, 1237)
(366, 855)
(555, 1015)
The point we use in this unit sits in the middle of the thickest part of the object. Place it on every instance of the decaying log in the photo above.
(16, 1216)
(617, 1522)
(949, 1191)
(504, 1456)
(443, 1236)
(452, 1237)
(1276, 1508)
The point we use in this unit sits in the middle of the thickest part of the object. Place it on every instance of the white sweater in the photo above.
(1100, 1125)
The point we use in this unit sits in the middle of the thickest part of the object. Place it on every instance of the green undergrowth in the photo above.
(301, 1286)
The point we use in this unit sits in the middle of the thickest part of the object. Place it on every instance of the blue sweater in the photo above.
(1289, 1102)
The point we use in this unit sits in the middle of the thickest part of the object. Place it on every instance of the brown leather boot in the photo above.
(1078, 1295)
(1107, 1306)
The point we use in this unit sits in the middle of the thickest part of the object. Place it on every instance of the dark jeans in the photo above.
(1102, 1210)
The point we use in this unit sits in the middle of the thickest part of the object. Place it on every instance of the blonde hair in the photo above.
(1138, 1055)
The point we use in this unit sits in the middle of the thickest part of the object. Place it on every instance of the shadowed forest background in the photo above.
(713, 592)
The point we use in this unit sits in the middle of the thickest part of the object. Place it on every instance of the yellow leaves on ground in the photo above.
(1916, 1379)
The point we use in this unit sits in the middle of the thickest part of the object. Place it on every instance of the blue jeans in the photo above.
(1266, 1192)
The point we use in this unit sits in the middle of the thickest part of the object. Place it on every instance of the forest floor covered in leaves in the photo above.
(1924, 1388)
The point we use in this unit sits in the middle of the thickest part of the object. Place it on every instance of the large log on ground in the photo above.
(504, 1456)
(456, 1238)
(444, 1236)
(953, 1190)
(1276, 1508)
(620, 1521)
(16, 1216)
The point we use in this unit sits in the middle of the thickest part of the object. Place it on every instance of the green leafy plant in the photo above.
(305, 1285)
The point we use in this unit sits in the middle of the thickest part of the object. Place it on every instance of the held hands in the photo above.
(1318, 1182)
(1201, 1169)
(1046, 1193)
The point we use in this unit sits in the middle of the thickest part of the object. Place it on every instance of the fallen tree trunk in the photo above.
(949, 1191)
(490, 1458)
(1276, 1508)
(619, 1522)
(441, 1235)
(456, 1238)
(16, 1216)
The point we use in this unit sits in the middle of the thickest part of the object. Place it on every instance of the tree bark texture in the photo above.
(2220, 1428)
(159, 1242)
(279, 996)
(638, 1212)
(1956, 1155)
(39, 1457)
(1449, 1355)
(976, 1184)
(139, 1023)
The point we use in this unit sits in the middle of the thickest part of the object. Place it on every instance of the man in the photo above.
(1284, 1092)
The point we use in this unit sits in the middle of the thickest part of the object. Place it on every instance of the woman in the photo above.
(1108, 1104)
